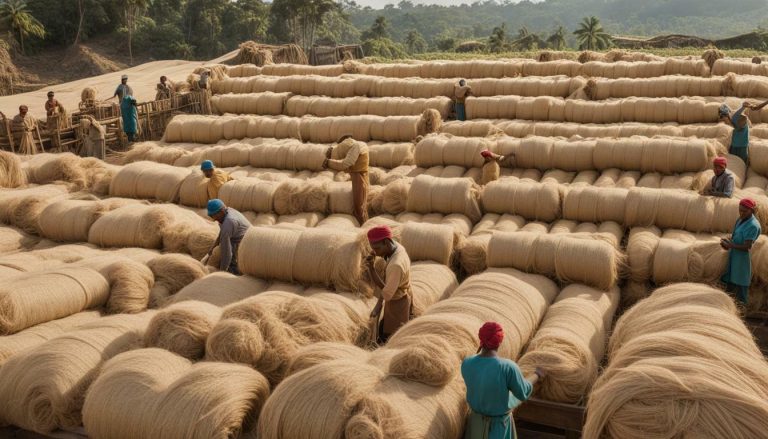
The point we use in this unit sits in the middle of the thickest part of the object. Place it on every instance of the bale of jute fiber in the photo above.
(129, 280)
(70, 220)
(472, 252)
(558, 255)
(12, 239)
(559, 86)
(664, 155)
(595, 204)
(444, 195)
(44, 296)
(243, 70)
(48, 168)
(430, 282)
(11, 173)
(249, 194)
(152, 152)
(546, 152)
(38, 334)
(149, 180)
(298, 106)
(11, 199)
(531, 200)
(722, 67)
(294, 196)
(287, 154)
(322, 257)
(220, 400)
(441, 150)
(705, 349)
(172, 273)
(132, 226)
(221, 289)
(667, 86)
(641, 248)
(462, 226)
(570, 343)
(193, 190)
(268, 103)
(423, 241)
(356, 404)
(48, 382)
(182, 328)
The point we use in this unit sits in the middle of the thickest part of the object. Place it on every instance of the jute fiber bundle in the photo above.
(473, 250)
(182, 328)
(193, 191)
(723, 67)
(676, 349)
(208, 129)
(472, 128)
(423, 241)
(560, 67)
(11, 173)
(149, 180)
(129, 280)
(570, 343)
(322, 257)
(662, 87)
(243, 70)
(441, 150)
(294, 196)
(641, 249)
(390, 155)
(516, 107)
(684, 257)
(462, 226)
(571, 258)
(444, 195)
(48, 383)
(13, 201)
(153, 152)
(298, 69)
(372, 395)
(664, 155)
(48, 168)
(531, 200)
(249, 194)
(268, 103)
(132, 226)
(558, 86)
(288, 154)
(70, 220)
(758, 157)
(12, 239)
(431, 282)
(219, 400)
(172, 273)
(30, 299)
(221, 289)
(549, 152)
(10, 345)
(319, 106)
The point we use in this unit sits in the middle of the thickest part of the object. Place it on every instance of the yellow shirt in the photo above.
(215, 183)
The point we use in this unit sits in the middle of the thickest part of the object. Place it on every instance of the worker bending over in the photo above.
(216, 178)
(738, 274)
(495, 386)
(394, 291)
(355, 162)
(232, 228)
(722, 183)
(492, 166)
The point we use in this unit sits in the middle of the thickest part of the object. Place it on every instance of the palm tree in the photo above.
(591, 36)
(16, 15)
(380, 28)
(557, 39)
(498, 41)
(415, 42)
(133, 10)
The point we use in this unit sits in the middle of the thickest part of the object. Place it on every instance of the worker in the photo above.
(460, 94)
(92, 134)
(355, 162)
(394, 291)
(495, 386)
(204, 77)
(52, 106)
(123, 89)
(24, 127)
(738, 273)
(722, 183)
(740, 137)
(232, 228)
(492, 165)
(130, 117)
(216, 178)
(164, 90)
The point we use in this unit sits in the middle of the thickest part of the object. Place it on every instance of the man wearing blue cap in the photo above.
(232, 228)
(216, 178)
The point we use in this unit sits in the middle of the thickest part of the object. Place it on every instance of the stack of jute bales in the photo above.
(299, 106)
(350, 391)
(662, 87)
(722, 67)
(267, 103)
(76, 172)
(243, 70)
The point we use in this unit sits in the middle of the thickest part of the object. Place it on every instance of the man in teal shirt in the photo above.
(738, 273)
(495, 386)
(740, 136)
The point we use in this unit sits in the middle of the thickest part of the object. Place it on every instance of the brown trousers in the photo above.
(396, 313)
(360, 195)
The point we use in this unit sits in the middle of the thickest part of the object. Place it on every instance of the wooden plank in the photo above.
(552, 414)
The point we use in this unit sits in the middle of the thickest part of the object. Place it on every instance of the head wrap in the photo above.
(721, 161)
(50, 93)
(724, 110)
(379, 233)
(491, 334)
(23, 107)
(215, 206)
(486, 153)
(207, 165)
(124, 77)
(748, 203)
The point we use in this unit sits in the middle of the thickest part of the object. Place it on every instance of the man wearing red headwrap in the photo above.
(394, 291)
(722, 183)
(738, 273)
(493, 163)
(495, 386)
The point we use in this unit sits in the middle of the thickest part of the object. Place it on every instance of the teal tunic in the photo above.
(739, 269)
(130, 115)
(495, 386)
(740, 138)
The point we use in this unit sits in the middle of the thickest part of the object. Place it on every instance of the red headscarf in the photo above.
(486, 153)
(491, 334)
(720, 161)
(379, 233)
(748, 203)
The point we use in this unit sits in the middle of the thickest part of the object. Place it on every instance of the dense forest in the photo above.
(203, 29)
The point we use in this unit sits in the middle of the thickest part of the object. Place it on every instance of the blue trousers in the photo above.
(461, 114)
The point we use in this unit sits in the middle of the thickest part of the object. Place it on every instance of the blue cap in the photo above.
(207, 165)
(215, 206)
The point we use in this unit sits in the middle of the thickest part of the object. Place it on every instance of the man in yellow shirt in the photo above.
(352, 157)
(216, 178)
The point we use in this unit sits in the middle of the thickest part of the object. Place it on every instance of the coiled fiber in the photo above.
(249, 194)
(48, 383)
(38, 334)
(172, 273)
(661, 87)
(220, 289)
(132, 226)
(268, 103)
(595, 204)
(292, 196)
(570, 343)
(444, 195)
(48, 168)
(322, 257)
(148, 180)
(219, 400)
(531, 200)
(49, 295)
(12, 239)
(182, 328)
(545, 153)
(675, 350)
(441, 150)
(571, 258)
(22, 207)
(664, 155)
(299, 106)
(11, 173)
(473, 250)
(71, 220)
(288, 154)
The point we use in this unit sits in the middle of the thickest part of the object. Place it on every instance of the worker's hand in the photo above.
(725, 243)
(376, 310)
(746, 104)
(369, 260)
(328, 152)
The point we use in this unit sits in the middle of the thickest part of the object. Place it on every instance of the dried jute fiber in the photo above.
(148, 180)
(12, 239)
(40, 297)
(172, 273)
(668, 355)
(202, 400)
(38, 334)
(472, 252)
(444, 195)
(595, 204)
(11, 173)
(571, 258)
(48, 383)
(129, 280)
(132, 226)
(570, 343)
(71, 220)
(411, 388)
(531, 200)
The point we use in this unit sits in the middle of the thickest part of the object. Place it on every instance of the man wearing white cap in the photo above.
(123, 89)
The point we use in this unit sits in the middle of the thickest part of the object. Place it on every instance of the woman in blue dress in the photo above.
(130, 117)
(738, 273)
(495, 386)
